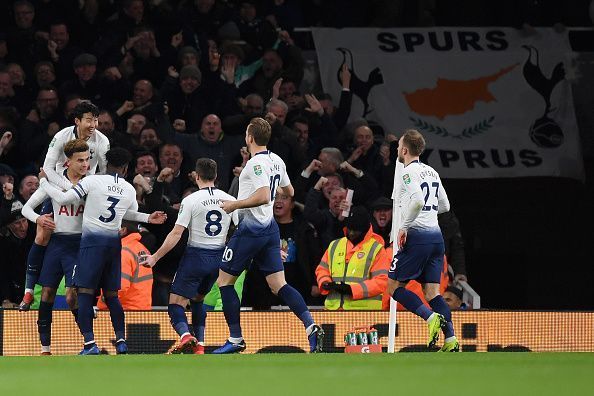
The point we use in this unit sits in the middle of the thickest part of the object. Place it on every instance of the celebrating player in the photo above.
(85, 121)
(257, 237)
(62, 250)
(108, 198)
(420, 243)
(199, 267)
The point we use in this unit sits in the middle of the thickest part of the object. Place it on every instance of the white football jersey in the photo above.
(265, 169)
(109, 197)
(67, 217)
(201, 213)
(421, 180)
(55, 159)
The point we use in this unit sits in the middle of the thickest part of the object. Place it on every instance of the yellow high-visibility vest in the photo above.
(357, 270)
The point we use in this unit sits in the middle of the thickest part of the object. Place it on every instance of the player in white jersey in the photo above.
(257, 237)
(62, 250)
(85, 119)
(108, 198)
(421, 198)
(199, 267)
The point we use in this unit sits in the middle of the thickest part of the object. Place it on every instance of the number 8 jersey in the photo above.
(265, 169)
(420, 181)
(207, 223)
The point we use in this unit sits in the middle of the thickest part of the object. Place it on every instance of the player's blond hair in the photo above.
(414, 142)
(75, 146)
(260, 130)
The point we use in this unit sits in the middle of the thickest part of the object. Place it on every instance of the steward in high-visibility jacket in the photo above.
(137, 280)
(353, 272)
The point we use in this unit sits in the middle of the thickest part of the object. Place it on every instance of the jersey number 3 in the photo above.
(111, 210)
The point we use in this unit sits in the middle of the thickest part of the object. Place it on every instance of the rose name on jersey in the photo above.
(71, 210)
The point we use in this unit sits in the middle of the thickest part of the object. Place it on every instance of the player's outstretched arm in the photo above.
(169, 243)
(260, 197)
(61, 197)
(286, 190)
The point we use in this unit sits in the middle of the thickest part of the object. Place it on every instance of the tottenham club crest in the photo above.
(544, 132)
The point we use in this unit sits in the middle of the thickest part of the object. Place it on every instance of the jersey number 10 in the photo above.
(274, 182)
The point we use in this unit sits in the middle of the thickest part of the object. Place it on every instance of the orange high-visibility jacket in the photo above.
(376, 279)
(415, 286)
(137, 281)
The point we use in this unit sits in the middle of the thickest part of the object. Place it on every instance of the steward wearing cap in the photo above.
(353, 272)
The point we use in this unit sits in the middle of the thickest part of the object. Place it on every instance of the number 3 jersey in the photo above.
(265, 169)
(422, 182)
(206, 221)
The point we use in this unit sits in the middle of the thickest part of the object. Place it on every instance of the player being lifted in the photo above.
(85, 121)
(62, 250)
(421, 197)
(199, 267)
(257, 237)
(108, 198)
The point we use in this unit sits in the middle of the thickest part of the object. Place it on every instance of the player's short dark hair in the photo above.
(260, 130)
(414, 141)
(206, 169)
(118, 157)
(75, 146)
(85, 107)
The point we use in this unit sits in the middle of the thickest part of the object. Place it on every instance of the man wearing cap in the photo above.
(89, 86)
(191, 97)
(353, 272)
(15, 239)
(382, 218)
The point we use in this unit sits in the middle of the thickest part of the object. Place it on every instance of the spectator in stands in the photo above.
(365, 155)
(40, 125)
(330, 161)
(61, 51)
(146, 164)
(327, 221)
(283, 141)
(453, 297)
(273, 68)
(191, 99)
(382, 218)
(15, 240)
(88, 85)
(344, 274)
(211, 142)
(45, 73)
(28, 185)
(137, 280)
(22, 36)
(340, 114)
(454, 244)
(148, 139)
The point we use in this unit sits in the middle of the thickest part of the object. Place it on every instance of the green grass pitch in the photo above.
(296, 374)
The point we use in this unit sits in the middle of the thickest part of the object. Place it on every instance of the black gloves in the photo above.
(341, 288)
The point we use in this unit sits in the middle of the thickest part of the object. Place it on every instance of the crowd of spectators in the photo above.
(179, 80)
